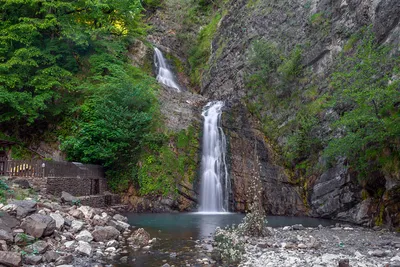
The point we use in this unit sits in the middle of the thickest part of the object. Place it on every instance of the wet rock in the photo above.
(32, 259)
(84, 236)
(99, 221)
(8, 258)
(166, 265)
(59, 220)
(110, 249)
(38, 225)
(84, 248)
(140, 237)
(106, 233)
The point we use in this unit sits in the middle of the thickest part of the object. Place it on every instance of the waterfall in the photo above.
(215, 184)
(164, 74)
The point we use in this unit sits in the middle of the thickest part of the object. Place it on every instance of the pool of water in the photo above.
(178, 232)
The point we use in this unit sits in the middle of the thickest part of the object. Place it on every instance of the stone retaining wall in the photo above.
(76, 186)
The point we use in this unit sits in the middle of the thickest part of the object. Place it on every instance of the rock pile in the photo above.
(44, 233)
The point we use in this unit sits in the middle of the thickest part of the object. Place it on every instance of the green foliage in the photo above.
(366, 94)
(173, 162)
(200, 53)
(291, 66)
(4, 191)
(42, 57)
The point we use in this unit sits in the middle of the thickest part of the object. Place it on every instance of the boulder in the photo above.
(7, 222)
(84, 236)
(32, 259)
(106, 233)
(76, 213)
(112, 243)
(68, 198)
(3, 245)
(298, 227)
(8, 258)
(59, 220)
(76, 226)
(6, 235)
(119, 225)
(140, 237)
(24, 207)
(69, 244)
(64, 260)
(38, 225)
(51, 256)
(99, 221)
(87, 211)
(37, 247)
(119, 217)
(84, 248)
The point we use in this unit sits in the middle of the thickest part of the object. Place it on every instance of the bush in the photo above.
(228, 246)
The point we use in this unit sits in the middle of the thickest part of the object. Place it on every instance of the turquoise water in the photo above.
(178, 232)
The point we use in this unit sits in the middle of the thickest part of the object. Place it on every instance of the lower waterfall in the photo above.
(215, 184)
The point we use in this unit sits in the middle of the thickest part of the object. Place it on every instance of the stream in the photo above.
(177, 234)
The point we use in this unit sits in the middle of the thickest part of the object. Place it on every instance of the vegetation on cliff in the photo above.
(355, 116)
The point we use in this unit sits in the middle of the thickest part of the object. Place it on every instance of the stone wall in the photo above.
(99, 201)
(76, 186)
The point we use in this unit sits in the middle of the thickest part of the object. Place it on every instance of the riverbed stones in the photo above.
(37, 247)
(84, 248)
(76, 225)
(84, 236)
(119, 217)
(23, 239)
(32, 259)
(344, 263)
(38, 225)
(377, 253)
(68, 198)
(105, 233)
(58, 219)
(87, 211)
(6, 235)
(119, 225)
(51, 256)
(64, 260)
(9, 258)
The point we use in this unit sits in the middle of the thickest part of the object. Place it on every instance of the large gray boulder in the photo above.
(84, 248)
(9, 258)
(24, 207)
(7, 222)
(106, 233)
(38, 225)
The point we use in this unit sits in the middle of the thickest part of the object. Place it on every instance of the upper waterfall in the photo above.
(164, 74)
(215, 184)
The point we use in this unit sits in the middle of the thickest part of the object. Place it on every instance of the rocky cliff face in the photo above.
(323, 27)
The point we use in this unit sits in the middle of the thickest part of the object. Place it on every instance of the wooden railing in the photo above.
(41, 168)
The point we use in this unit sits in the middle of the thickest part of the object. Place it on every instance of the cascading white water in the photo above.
(164, 75)
(215, 185)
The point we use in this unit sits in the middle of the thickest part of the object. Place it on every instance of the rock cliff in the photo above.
(323, 28)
